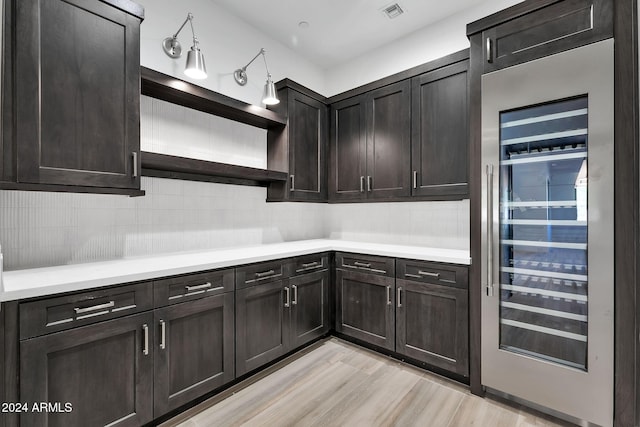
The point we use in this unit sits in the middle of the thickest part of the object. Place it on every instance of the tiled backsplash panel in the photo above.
(43, 229)
(172, 129)
(433, 224)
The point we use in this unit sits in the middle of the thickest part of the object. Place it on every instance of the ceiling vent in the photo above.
(393, 11)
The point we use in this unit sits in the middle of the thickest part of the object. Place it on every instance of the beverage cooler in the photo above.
(547, 156)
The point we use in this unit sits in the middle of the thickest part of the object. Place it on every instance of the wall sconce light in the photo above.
(269, 97)
(195, 60)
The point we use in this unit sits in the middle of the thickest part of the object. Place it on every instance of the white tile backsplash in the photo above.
(43, 229)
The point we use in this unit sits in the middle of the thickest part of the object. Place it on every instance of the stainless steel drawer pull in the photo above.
(295, 294)
(489, 50)
(415, 179)
(198, 287)
(388, 295)
(399, 297)
(293, 183)
(287, 301)
(163, 334)
(265, 273)
(362, 264)
(362, 184)
(95, 307)
(310, 264)
(369, 182)
(145, 348)
(428, 273)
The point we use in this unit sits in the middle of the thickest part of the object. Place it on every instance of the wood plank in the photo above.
(167, 88)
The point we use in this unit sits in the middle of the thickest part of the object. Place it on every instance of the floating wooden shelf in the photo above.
(167, 88)
(166, 166)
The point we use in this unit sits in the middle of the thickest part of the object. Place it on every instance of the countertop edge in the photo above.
(21, 284)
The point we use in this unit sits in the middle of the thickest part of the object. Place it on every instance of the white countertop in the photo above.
(19, 284)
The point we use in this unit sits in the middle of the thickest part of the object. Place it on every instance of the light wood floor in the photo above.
(335, 383)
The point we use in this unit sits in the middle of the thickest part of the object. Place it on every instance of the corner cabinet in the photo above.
(299, 148)
(73, 69)
(280, 306)
(371, 145)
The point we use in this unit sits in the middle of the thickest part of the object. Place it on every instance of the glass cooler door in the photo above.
(543, 231)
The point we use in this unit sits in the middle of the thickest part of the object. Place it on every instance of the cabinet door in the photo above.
(262, 325)
(365, 307)
(307, 147)
(348, 150)
(561, 26)
(101, 370)
(194, 350)
(77, 93)
(440, 135)
(432, 325)
(309, 307)
(388, 112)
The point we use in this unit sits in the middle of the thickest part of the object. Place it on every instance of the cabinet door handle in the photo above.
(399, 296)
(145, 331)
(293, 182)
(489, 50)
(287, 302)
(362, 184)
(415, 179)
(295, 295)
(198, 287)
(369, 182)
(94, 307)
(428, 273)
(163, 334)
(134, 157)
(388, 295)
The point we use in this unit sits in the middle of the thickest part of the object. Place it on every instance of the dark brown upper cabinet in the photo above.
(299, 148)
(371, 145)
(73, 72)
(532, 30)
(440, 133)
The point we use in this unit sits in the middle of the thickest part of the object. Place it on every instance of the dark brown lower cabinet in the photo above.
(309, 307)
(432, 324)
(194, 350)
(277, 317)
(262, 324)
(365, 307)
(95, 375)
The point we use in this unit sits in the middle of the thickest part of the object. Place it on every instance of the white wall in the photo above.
(227, 43)
(435, 41)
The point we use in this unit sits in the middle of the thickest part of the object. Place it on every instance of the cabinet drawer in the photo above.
(561, 26)
(70, 311)
(308, 263)
(433, 272)
(366, 263)
(254, 274)
(174, 290)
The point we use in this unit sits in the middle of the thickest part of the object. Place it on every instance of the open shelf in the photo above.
(166, 166)
(168, 88)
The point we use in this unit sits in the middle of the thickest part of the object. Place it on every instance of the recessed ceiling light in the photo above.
(393, 11)
(303, 24)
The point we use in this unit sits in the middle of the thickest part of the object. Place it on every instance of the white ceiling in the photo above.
(339, 29)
